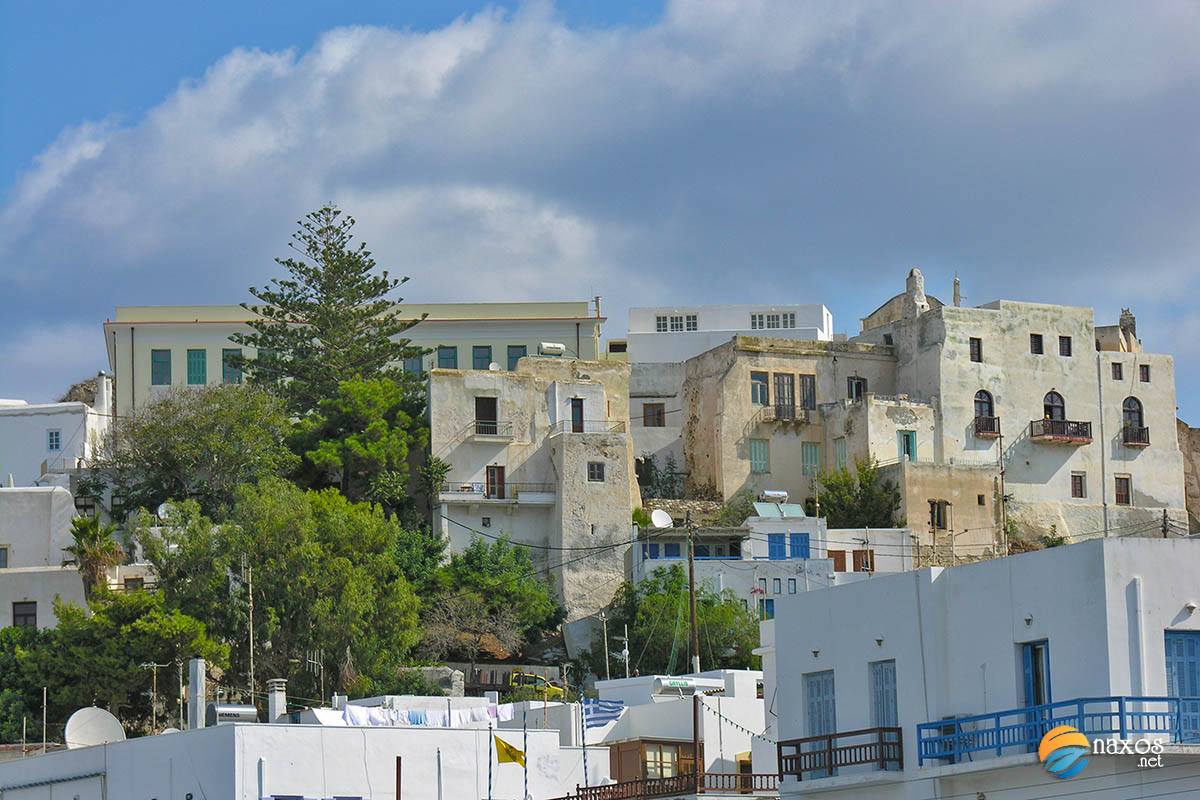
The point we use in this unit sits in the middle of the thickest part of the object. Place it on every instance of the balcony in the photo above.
(473, 492)
(676, 785)
(1019, 730)
(783, 414)
(1060, 431)
(987, 427)
(587, 426)
(1133, 436)
(491, 429)
(882, 748)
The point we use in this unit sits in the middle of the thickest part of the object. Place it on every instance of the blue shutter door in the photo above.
(800, 547)
(820, 712)
(883, 694)
(1183, 679)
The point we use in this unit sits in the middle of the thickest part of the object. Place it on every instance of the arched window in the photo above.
(1131, 412)
(1053, 406)
(983, 404)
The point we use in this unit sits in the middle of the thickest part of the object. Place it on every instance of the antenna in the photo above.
(661, 519)
(91, 726)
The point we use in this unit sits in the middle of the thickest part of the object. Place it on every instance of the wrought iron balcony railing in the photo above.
(1068, 431)
(1133, 436)
(492, 427)
(781, 412)
(508, 490)
(587, 426)
(818, 756)
(987, 427)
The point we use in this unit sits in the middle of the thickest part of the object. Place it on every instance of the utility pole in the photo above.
(150, 665)
(181, 698)
(604, 622)
(1165, 523)
(695, 638)
(248, 571)
(625, 650)
(696, 739)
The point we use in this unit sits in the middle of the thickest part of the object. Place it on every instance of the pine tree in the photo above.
(330, 320)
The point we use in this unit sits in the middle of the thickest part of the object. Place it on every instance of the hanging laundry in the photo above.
(416, 716)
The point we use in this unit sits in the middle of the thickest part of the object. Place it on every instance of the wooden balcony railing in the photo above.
(1068, 431)
(741, 782)
(722, 782)
(818, 755)
(987, 427)
(1134, 436)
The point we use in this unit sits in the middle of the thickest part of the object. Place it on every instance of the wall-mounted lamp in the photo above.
(1028, 619)
(1191, 606)
(816, 653)
(879, 642)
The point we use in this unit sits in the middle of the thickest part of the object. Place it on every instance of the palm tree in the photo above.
(94, 551)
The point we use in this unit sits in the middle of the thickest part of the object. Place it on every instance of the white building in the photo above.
(780, 551)
(41, 438)
(540, 455)
(941, 682)
(35, 526)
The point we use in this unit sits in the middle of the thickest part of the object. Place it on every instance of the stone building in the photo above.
(961, 407)
(541, 455)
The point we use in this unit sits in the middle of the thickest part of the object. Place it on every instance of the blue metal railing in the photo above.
(1020, 729)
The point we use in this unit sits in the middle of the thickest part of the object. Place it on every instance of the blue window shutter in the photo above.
(776, 547)
(671, 549)
(654, 549)
(799, 544)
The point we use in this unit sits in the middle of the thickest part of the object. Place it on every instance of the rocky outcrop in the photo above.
(1189, 445)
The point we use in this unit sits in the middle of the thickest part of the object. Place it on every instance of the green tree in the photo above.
(327, 579)
(330, 320)
(862, 499)
(504, 579)
(93, 550)
(199, 444)
(468, 626)
(736, 509)
(359, 440)
(656, 611)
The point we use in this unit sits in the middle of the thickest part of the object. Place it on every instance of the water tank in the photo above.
(226, 713)
(686, 685)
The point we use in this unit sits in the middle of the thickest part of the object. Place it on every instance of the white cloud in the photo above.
(731, 149)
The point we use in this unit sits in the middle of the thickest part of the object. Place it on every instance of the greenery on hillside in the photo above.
(858, 499)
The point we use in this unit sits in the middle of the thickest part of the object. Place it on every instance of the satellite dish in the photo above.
(163, 510)
(168, 730)
(661, 519)
(494, 367)
(92, 726)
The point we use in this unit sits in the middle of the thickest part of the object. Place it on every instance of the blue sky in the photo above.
(680, 152)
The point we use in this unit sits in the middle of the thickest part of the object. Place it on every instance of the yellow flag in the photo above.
(505, 752)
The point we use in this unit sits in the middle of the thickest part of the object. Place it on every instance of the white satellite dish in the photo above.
(168, 730)
(661, 519)
(494, 367)
(92, 726)
(163, 510)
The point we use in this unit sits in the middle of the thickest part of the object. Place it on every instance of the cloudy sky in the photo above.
(680, 152)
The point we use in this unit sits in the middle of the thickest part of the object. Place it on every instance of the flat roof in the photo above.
(565, 310)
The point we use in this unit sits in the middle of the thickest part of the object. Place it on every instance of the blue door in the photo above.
(820, 716)
(1035, 663)
(884, 711)
(1183, 680)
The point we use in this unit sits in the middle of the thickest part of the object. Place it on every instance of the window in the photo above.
(650, 550)
(757, 322)
(976, 349)
(1131, 413)
(24, 614)
(486, 522)
(515, 353)
(671, 550)
(54, 440)
(808, 392)
(1144, 373)
(883, 694)
(3, 556)
(856, 387)
(447, 357)
(160, 367)
(776, 546)
(984, 407)
(412, 365)
(981, 499)
(654, 415)
(232, 374)
(839, 560)
(777, 586)
(1124, 490)
(666, 760)
(762, 585)
(1035, 344)
(799, 545)
(618, 347)
(772, 321)
(135, 584)
(760, 455)
(481, 356)
(1078, 484)
(690, 322)
(864, 560)
(760, 389)
(493, 479)
(660, 324)
(937, 514)
(767, 608)
(789, 319)
(785, 396)
(1064, 345)
(596, 471)
(197, 367)
(1118, 371)
(676, 324)
(839, 452)
(810, 458)
(1053, 406)
(906, 442)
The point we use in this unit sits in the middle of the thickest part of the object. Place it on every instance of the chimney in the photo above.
(103, 402)
(276, 699)
(957, 291)
(197, 693)
(596, 300)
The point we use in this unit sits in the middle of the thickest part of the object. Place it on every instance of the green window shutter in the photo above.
(230, 373)
(447, 357)
(481, 356)
(839, 452)
(810, 455)
(760, 455)
(197, 367)
(160, 367)
(515, 353)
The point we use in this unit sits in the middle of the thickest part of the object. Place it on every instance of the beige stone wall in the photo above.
(1189, 445)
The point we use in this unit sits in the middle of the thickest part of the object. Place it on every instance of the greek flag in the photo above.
(601, 712)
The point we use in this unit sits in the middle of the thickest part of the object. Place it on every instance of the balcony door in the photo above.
(576, 415)
(1035, 666)
(1183, 680)
(820, 713)
(785, 396)
(494, 488)
(486, 417)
